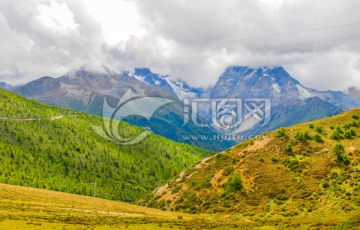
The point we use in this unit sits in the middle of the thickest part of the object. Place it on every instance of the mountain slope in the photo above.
(53, 148)
(85, 91)
(307, 168)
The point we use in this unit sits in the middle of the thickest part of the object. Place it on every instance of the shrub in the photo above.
(350, 133)
(338, 151)
(355, 116)
(353, 132)
(318, 138)
(228, 170)
(235, 182)
(274, 159)
(206, 183)
(339, 129)
(347, 126)
(303, 136)
(355, 124)
(325, 185)
(288, 148)
(335, 135)
(292, 163)
(311, 126)
(346, 159)
(319, 129)
(280, 133)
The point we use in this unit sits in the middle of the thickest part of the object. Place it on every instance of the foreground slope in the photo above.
(308, 168)
(29, 208)
(53, 148)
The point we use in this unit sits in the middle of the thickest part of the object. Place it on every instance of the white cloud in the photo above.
(119, 19)
(190, 40)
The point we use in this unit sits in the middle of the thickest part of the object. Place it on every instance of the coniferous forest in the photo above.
(65, 154)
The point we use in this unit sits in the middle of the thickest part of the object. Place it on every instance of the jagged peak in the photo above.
(142, 71)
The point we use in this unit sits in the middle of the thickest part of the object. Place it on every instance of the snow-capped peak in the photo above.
(304, 93)
(179, 90)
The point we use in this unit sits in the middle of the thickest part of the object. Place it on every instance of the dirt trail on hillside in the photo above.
(37, 119)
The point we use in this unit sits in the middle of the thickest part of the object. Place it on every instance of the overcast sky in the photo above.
(318, 42)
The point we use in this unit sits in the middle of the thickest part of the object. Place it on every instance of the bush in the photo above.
(346, 159)
(318, 138)
(353, 132)
(349, 134)
(355, 116)
(319, 129)
(355, 124)
(303, 136)
(347, 126)
(311, 126)
(338, 128)
(235, 182)
(274, 159)
(292, 164)
(288, 148)
(325, 185)
(228, 170)
(280, 133)
(338, 151)
(335, 135)
(206, 183)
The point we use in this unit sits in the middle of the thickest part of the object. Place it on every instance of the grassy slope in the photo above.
(29, 208)
(308, 180)
(67, 155)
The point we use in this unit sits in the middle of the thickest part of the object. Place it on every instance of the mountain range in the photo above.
(290, 101)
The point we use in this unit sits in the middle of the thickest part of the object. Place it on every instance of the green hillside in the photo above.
(48, 147)
(308, 168)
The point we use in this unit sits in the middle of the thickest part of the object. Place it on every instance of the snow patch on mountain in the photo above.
(304, 93)
(139, 78)
(180, 92)
(276, 87)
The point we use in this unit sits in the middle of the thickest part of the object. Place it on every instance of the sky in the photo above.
(317, 42)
